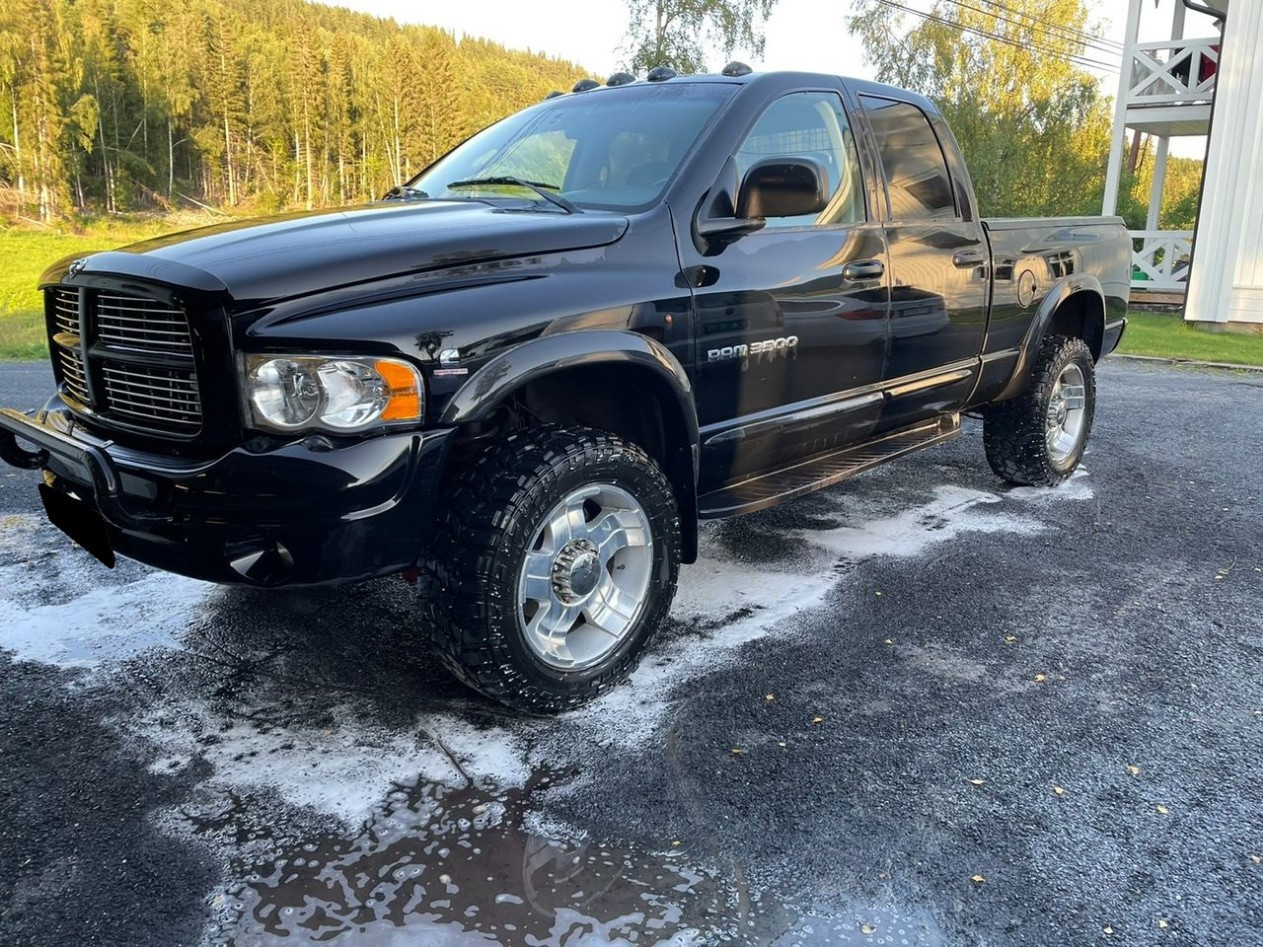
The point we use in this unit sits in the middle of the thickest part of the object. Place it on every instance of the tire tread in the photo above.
(1013, 431)
(467, 579)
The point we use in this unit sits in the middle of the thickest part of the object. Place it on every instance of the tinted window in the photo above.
(810, 125)
(609, 148)
(916, 171)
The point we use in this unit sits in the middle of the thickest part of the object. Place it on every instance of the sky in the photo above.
(809, 35)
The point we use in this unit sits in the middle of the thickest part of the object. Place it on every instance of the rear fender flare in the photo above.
(1060, 291)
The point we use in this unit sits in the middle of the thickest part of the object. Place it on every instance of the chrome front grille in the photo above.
(150, 394)
(145, 325)
(134, 363)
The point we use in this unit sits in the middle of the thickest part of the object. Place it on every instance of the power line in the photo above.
(1072, 57)
(1050, 34)
(1090, 47)
(1102, 43)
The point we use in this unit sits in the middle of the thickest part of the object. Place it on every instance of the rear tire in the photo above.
(1038, 438)
(555, 562)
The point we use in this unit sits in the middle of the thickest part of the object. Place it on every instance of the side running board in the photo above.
(816, 473)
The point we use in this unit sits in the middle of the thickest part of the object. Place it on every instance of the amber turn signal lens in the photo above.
(405, 398)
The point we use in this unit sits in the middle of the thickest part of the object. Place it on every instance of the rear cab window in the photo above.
(918, 183)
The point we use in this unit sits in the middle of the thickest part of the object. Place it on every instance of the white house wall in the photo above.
(1226, 283)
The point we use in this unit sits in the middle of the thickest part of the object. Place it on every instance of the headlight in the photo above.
(294, 392)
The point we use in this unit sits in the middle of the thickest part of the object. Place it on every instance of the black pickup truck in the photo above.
(526, 374)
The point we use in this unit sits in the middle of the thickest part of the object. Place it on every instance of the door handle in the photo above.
(966, 258)
(863, 270)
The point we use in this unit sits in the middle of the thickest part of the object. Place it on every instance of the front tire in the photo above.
(556, 558)
(1038, 438)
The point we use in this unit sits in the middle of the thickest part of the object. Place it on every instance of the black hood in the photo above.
(297, 254)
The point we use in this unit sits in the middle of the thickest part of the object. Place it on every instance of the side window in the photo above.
(916, 171)
(810, 125)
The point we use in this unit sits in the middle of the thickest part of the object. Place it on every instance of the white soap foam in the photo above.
(110, 623)
(346, 771)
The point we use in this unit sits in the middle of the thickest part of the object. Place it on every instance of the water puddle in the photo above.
(438, 865)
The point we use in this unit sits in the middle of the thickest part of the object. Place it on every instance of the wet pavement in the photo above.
(918, 709)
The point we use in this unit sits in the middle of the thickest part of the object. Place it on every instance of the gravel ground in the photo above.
(918, 709)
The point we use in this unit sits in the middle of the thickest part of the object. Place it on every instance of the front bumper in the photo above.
(312, 511)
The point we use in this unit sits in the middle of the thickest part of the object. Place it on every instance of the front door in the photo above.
(791, 321)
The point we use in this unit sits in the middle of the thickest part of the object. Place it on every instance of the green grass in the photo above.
(26, 252)
(1169, 336)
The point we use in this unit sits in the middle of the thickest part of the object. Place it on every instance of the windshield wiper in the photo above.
(404, 192)
(543, 190)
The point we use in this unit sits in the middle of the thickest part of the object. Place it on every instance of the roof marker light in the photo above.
(584, 85)
(661, 74)
(734, 69)
(620, 78)
(553, 94)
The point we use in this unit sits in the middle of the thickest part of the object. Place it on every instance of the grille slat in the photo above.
(153, 393)
(111, 318)
(146, 414)
(157, 308)
(126, 299)
(157, 398)
(128, 333)
(184, 410)
(147, 379)
(175, 346)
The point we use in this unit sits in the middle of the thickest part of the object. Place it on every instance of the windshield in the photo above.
(614, 149)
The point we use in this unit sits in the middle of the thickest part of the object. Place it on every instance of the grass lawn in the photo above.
(27, 251)
(1169, 336)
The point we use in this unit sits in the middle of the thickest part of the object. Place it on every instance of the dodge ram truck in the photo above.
(526, 374)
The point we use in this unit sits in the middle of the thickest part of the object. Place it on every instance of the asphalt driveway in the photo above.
(918, 709)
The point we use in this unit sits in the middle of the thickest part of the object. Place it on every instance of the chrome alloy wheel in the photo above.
(1066, 413)
(585, 577)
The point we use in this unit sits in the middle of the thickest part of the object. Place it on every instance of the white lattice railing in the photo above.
(1173, 72)
(1159, 258)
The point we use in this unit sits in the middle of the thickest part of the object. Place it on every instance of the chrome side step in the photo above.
(816, 473)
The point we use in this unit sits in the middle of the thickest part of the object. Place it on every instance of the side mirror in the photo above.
(783, 187)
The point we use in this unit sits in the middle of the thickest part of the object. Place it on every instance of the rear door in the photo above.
(792, 318)
(938, 265)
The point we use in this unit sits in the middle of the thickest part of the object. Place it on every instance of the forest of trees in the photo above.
(116, 105)
(251, 106)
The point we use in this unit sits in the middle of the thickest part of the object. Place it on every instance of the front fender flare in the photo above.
(487, 388)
